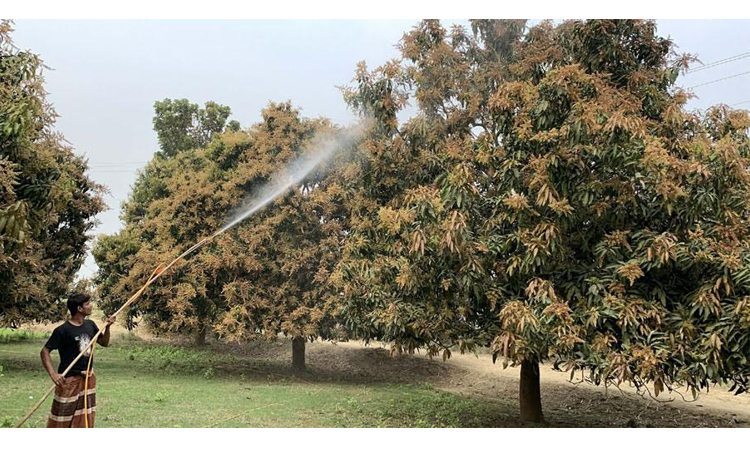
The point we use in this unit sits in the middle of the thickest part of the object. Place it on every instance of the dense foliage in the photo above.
(270, 275)
(553, 199)
(181, 125)
(47, 200)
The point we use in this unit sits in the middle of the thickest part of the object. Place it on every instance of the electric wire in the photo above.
(719, 62)
(719, 79)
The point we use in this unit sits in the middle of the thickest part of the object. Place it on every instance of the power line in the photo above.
(720, 62)
(720, 79)
(114, 168)
(108, 164)
(113, 165)
(121, 162)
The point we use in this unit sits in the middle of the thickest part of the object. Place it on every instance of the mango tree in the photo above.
(269, 275)
(552, 199)
(47, 200)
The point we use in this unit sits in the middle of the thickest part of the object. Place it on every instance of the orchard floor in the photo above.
(146, 382)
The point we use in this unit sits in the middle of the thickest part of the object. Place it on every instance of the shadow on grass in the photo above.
(257, 360)
(343, 387)
(326, 363)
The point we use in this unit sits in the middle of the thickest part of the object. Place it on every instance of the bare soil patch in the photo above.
(566, 404)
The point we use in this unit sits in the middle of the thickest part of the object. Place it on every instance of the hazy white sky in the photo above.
(107, 74)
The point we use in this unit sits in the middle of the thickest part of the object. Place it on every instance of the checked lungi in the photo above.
(67, 407)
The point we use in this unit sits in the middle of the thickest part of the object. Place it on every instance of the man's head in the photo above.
(80, 303)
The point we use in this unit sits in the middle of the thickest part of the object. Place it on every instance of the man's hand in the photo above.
(57, 378)
(104, 337)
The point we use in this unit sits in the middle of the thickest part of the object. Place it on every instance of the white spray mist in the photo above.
(322, 149)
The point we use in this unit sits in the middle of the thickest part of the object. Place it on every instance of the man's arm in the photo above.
(104, 337)
(47, 363)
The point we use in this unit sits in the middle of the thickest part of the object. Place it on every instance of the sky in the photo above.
(105, 76)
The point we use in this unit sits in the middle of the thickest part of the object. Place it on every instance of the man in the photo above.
(70, 339)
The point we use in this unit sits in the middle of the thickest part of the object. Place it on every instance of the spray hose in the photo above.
(86, 389)
(155, 275)
(292, 174)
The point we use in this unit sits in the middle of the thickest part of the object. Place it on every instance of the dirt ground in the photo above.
(565, 404)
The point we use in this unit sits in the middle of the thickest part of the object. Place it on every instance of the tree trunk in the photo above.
(298, 354)
(530, 396)
(200, 338)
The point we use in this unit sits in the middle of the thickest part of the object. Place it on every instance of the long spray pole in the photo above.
(278, 189)
(155, 275)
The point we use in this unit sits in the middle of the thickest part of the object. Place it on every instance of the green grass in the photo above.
(145, 385)
(8, 335)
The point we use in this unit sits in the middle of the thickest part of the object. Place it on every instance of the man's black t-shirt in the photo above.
(69, 340)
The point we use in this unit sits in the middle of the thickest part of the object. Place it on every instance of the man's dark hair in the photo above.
(76, 300)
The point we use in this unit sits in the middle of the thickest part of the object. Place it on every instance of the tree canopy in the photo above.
(181, 125)
(270, 275)
(47, 200)
(553, 199)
